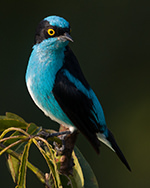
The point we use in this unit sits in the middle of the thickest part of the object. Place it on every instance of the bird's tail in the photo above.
(111, 143)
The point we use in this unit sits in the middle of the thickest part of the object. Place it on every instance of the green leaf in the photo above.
(13, 165)
(68, 182)
(51, 163)
(34, 169)
(32, 130)
(83, 175)
(12, 120)
(76, 180)
(14, 116)
(77, 172)
(89, 177)
(23, 166)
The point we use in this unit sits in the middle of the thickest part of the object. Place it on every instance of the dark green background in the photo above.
(112, 44)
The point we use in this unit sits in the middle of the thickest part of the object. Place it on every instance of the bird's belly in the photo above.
(43, 97)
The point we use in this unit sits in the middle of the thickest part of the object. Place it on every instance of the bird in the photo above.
(59, 88)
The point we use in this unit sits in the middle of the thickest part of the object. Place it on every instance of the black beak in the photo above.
(67, 37)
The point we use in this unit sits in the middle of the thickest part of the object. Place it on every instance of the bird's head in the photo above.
(53, 31)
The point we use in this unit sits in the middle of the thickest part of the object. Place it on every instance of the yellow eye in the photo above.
(51, 32)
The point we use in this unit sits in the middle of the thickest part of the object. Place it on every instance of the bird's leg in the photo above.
(47, 135)
(62, 134)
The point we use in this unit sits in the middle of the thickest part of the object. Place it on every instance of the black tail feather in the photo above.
(114, 145)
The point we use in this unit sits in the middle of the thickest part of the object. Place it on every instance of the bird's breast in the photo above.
(40, 79)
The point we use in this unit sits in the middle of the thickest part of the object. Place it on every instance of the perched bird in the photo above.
(58, 87)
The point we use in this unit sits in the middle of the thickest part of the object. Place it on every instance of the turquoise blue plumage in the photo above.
(58, 87)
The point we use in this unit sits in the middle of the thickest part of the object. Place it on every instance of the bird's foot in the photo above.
(47, 135)
(61, 135)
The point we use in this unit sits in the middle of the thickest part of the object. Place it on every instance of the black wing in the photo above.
(76, 105)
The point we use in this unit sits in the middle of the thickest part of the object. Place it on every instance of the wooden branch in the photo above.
(66, 159)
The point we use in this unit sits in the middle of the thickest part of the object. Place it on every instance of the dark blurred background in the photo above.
(112, 44)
